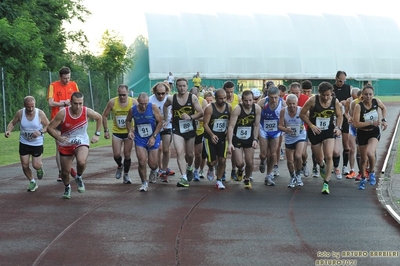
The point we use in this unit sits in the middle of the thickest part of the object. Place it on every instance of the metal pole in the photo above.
(4, 99)
(108, 87)
(91, 91)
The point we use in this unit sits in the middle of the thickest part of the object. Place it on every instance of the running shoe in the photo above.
(276, 171)
(315, 172)
(118, 174)
(170, 172)
(299, 181)
(32, 186)
(73, 172)
(262, 167)
(305, 171)
(372, 179)
(351, 175)
(219, 185)
(164, 177)
(182, 183)
(233, 175)
(144, 187)
(358, 177)
(325, 189)
(292, 182)
(239, 175)
(127, 179)
(268, 181)
(79, 183)
(201, 174)
(247, 184)
(189, 173)
(196, 175)
(67, 192)
(40, 173)
(361, 185)
(210, 174)
(223, 177)
(338, 174)
(153, 176)
(345, 171)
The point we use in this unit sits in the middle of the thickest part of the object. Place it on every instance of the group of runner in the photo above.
(205, 129)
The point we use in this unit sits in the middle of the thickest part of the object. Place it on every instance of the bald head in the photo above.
(29, 99)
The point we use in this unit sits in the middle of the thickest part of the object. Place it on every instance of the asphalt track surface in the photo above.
(115, 224)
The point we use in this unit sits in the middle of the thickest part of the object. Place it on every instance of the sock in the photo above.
(68, 185)
(184, 177)
(345, 157)
(336, 160)
(33, 180)
(118, 161)
(326, 181)
(127, 165)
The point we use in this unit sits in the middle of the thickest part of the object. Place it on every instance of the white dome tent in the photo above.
(275, 46)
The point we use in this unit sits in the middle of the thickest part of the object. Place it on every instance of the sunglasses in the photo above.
(160, 93)
(121, 95)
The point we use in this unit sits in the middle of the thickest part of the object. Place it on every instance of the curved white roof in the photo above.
(259, 46)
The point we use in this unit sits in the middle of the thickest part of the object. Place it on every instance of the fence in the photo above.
(96, 88)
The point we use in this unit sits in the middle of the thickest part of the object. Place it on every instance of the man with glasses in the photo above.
(342, 93)
(160, 94)
(120, 106)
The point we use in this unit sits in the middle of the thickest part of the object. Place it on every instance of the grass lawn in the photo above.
(9, 147)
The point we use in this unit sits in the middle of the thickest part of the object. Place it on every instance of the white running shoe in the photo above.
(219, 185)
(144, 187)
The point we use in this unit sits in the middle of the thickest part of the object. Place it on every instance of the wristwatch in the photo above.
(155, 135)
(384, 120)
(97, 133)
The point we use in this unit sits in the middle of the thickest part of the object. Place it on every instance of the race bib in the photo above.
(145, 130)
(27, 134)
(120, 120)
(270, 125)
(76, 140)
(220, 125)
(371, 116)
(295, 130)
(185, 126)
(243, 133)
(323, 122)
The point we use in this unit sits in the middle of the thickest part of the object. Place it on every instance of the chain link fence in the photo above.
(96, 88)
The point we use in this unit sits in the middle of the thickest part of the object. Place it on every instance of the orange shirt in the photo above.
(60, 93)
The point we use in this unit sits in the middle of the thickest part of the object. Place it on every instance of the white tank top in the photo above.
(160, 104)
(297, 126)
(27, 128)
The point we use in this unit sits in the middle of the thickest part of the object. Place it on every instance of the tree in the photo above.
(116, 58)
